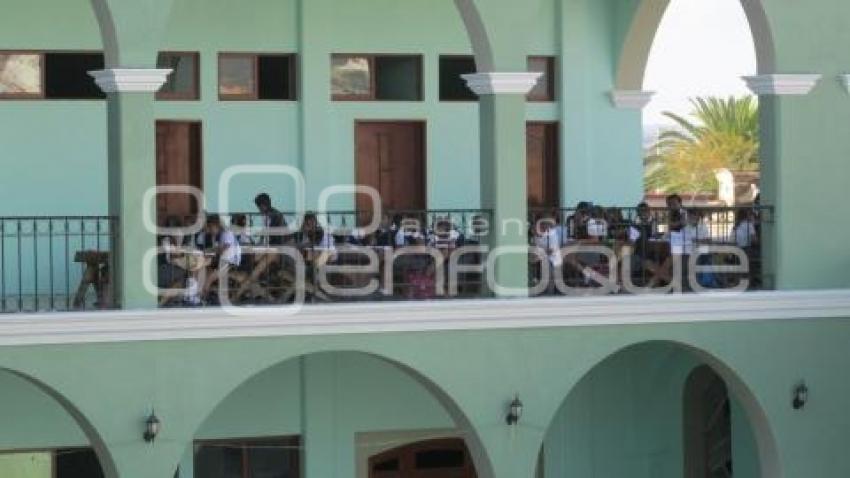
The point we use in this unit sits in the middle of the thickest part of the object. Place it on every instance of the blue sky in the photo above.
(702, 48)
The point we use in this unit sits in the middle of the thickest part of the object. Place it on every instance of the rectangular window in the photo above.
(67, 76)
(248, 76)
(376, 77)
(452, 85)
(184, 80)
(249, 458)
(60, 463)
(50, 75)
(21, 75)
(544, 90)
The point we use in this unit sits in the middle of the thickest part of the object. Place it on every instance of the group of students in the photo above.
(678, 230)
(682, 228)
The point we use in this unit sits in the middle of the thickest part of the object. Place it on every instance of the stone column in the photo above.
(503, 173)
(132, 173)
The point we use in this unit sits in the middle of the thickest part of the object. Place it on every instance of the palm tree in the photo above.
(723, 134)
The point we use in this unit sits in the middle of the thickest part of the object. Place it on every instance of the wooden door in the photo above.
(708, 426)
(440, 458)
(542, 165)
(390, 157)
(178, 162)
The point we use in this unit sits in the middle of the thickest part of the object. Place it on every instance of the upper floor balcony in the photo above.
(279, 258)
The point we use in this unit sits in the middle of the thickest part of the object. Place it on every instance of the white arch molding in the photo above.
(95, 440)
(767, 449)
(634, 57)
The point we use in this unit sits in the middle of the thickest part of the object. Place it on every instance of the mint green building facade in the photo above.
(602, 380)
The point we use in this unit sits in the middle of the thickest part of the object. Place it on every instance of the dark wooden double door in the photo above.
(390, 157)
(178, 163)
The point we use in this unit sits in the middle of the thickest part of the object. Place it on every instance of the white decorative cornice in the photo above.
(130, 80)
(485, 314)
(631, 99)
(782, 84)
(496, 83)
(845, 81)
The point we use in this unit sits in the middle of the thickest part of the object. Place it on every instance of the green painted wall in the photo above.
(625, 400)
(314, 128)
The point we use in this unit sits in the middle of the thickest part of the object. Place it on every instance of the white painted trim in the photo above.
(485, 314)
(130, 80)
(782, 84)
(845, 81)
(497, 83)
(631, 99)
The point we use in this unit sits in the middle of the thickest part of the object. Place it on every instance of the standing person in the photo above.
(273, 221)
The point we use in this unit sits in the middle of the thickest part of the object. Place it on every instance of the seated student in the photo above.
(444, 236)
(617, 226)
(239, 223)
(546, 238)
(577, 222)
(312, 235)
(272, 219)
(171, 272)
(409, 232)
(674, 203)
(227, 250)
(596, 225)
(696, 235)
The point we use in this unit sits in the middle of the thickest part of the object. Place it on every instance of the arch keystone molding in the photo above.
(631, 99)
(494, 83)
(782, 84)
(130, 80)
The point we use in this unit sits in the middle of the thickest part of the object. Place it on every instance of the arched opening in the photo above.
(334, 414)
(633, 415)
(701, 128)
(46, 435)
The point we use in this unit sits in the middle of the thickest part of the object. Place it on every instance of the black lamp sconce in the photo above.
(152, 427)
(514, 411)
(801, 396)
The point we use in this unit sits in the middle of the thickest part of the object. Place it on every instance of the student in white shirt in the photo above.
(745, 235)
(227, 249)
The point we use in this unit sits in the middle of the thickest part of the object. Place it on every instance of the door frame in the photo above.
(423, 123)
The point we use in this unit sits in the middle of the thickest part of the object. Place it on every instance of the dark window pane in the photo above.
(275, 78)
(351, 76)
(452, 86)
(182, 82)
(387, 465)
(218, 460)
(77, 463)
(273, 459)
(439, 459)
(67, 75)
(398, 78)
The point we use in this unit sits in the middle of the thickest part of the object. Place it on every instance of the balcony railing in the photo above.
(55, 263)
(596, 249)
(64, 263)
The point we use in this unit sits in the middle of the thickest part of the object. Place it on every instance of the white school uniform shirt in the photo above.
(232, 251)
(597, 228)
(744, 234)
(550, 242)
(677, 242)
(694, 234)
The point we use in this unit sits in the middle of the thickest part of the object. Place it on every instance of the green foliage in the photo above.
(722, 134)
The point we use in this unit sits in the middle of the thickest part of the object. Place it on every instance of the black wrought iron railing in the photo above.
(65, 263)
(55, 263)
(324, 257)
